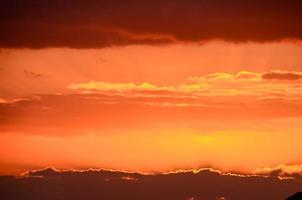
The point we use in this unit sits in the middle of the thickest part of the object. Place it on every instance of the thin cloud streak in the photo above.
(285, 84)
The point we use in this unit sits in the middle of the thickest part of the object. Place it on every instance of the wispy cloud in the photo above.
(243, 83)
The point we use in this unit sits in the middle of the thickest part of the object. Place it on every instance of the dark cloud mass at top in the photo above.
(95, 24)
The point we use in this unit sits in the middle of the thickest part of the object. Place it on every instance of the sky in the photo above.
(151, 86)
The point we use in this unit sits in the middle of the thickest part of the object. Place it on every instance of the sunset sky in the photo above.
(151, 86)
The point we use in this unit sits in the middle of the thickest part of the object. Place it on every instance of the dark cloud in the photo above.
(83, 24)
(205, 184)
(284, 171)
(282, 76)
(281, 173)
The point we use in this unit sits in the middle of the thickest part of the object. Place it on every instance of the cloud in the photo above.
(280, 75)
(102, 184)
(222, 76)
(283, 171)
(3, 101)
(119, 87)
(242, 83)
(106, 23)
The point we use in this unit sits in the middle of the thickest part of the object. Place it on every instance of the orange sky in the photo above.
(231, 106)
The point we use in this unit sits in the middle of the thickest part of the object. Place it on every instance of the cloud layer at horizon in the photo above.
(204, 184)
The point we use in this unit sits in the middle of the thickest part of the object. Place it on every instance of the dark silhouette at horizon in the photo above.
(49, 184)
(296, 196)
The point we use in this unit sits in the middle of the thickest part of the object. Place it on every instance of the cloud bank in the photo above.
(79, 24)
(204, 184)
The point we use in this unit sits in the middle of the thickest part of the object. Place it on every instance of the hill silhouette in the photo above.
(296, 196)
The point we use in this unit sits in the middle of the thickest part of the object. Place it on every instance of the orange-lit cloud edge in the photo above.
(281, 171)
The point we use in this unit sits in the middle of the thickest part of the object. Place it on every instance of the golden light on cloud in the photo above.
(120, 87)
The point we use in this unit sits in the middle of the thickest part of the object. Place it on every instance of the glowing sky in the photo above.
(152, 108)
